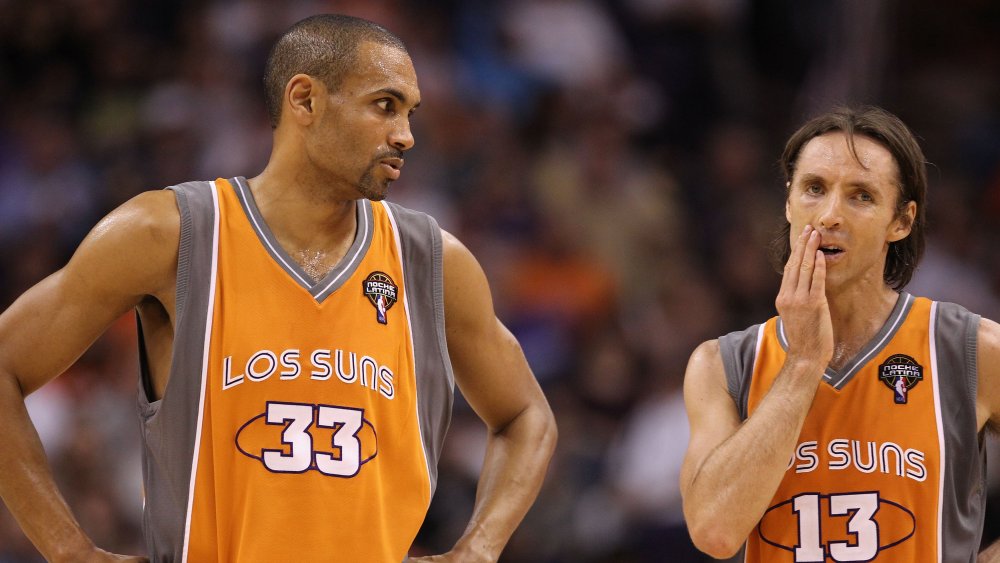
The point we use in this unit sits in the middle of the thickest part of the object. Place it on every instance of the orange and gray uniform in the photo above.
(889, 465)
(303, 419)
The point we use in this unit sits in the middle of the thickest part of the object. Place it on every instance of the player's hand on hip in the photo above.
(802, 302)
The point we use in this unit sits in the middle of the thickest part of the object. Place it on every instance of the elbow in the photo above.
(713, 540)
(549, 432)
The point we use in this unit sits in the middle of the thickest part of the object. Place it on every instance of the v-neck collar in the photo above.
(336, 277)
(840, 378)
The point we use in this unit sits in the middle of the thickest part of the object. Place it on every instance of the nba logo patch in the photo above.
(901, 373)
(381, 291)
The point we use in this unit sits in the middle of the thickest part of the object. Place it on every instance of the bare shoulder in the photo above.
(150, 215)
(705, 366)
(706, 353)
(989, 336)
(988, 363)
(137, 242)
(467, 296)
(458, 258)
(706, 396)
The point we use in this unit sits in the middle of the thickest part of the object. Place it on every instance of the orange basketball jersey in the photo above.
(303, 418)
(889, 466)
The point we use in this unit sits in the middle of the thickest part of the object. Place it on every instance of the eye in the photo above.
(865, 197)
(814, 188)
(386, 104)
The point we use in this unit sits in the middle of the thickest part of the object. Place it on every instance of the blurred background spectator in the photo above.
(612, 164)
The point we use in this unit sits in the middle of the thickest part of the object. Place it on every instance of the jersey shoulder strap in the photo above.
(739, 350)
(421, 252)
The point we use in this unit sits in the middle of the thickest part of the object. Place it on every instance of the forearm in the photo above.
(26, 483)
(513, 470)
(731, 490)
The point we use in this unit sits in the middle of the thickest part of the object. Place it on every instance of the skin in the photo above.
(830, 307)
(328, 151)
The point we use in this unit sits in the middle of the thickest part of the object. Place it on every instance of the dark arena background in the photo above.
(611, 164)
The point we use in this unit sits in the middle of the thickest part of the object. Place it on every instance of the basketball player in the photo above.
(850, 427)
(299, 339)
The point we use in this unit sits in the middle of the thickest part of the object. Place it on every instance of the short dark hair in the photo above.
(323, 46)
(890, 132)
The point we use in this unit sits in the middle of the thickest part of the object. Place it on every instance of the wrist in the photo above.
(804, 368)
(475, 551)
(78, 549)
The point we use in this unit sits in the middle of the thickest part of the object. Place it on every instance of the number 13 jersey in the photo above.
(303, 419)
(888, 466)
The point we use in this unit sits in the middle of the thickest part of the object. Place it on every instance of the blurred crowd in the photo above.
(612, 164)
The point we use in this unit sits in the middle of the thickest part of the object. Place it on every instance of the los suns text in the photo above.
(863, 456)
(321, 365)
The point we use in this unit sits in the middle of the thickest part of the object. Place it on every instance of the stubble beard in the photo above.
(370, 188)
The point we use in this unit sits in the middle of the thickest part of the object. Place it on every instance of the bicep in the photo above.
(124, 258)
(490, 368)
(712, 413)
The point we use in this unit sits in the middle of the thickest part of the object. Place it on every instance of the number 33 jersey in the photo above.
(303, 418)
(889, 466)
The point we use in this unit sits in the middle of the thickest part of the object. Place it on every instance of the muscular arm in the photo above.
(731, 471)
(494, 377)
(130, 254)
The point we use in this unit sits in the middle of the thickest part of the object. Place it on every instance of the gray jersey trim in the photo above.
(739, 353)
(955, 334)
(336, 277)
(169, 425)
(423, 277)
(838, 379)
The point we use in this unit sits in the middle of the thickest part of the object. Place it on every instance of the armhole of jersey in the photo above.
(420, 246)
(739, 352)
(962, 496)
(956, 340)
(170, 425)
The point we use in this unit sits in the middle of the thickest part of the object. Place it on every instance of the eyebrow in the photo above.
(810, 177)
(397, 94)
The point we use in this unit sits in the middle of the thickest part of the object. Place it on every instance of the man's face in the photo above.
(852, 204)
(360, 137)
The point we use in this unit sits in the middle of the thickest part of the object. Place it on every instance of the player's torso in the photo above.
(310, 447)
(864, 481)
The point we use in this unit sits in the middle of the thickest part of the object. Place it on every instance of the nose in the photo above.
(831, 213)
(401, 136)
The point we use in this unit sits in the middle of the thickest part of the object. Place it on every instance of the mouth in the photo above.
(831, 250)
(392, 167)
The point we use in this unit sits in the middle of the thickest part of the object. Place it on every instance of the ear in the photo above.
(302, 96)
(903, 224)
(788, 214)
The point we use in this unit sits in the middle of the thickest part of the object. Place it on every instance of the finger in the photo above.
(791, 277)
(818, 287)
(808, 262)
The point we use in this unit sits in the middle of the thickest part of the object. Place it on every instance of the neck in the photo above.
(313, 223)
(857, 313)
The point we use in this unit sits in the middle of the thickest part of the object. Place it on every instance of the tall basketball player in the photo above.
(299, 341)
(849, 427)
